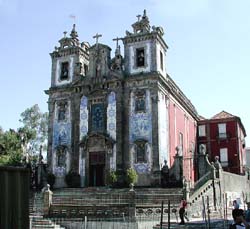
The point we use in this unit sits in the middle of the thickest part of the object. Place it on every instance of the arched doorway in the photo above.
(96, 168)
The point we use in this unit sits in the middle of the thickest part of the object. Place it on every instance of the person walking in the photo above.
(239, 221)
(183, 206)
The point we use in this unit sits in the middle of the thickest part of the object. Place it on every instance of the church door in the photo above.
(97, 168)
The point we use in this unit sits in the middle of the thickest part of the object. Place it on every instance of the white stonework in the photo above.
(111, 115)
(159, 50)
(82, 167)
(113, 159)
(163, 129)
(132, 58)
(84, 116)
(58, 70)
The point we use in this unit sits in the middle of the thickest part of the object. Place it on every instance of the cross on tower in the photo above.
(96, 37)
(139, 17)
(117, 39)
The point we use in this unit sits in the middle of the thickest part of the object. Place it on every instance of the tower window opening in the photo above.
(64, 71)
(140, 57)
(161, 60)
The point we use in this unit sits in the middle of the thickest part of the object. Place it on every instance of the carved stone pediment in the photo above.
(97, 142)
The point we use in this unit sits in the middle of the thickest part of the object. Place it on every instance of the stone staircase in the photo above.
(36, 210)
(106, 203)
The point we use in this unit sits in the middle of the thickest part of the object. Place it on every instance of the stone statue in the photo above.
(165, 175)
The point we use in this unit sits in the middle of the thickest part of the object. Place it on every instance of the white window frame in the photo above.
(224, 157)
(202, 130)
(222, 129)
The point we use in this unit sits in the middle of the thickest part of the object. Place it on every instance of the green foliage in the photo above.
(131, 176)
(11, 153)
(14, 144)
(72, 179)
(37, 123)
(112, 177)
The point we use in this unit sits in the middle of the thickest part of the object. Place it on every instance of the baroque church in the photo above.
(114, 113)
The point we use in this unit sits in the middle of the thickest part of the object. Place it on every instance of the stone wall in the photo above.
(14, 192)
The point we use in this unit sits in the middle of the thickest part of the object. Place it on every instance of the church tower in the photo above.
(145, 49)
(69, 64)
(145, 100)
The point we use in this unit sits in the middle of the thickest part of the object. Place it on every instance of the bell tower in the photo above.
(145, 49)
(70, 60)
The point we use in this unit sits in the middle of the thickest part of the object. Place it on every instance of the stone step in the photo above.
(38, 222)
(193, 225)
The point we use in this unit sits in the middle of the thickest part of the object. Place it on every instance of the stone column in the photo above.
(132, 206)
(47, 200)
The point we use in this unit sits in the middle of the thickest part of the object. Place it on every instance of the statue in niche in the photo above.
(140, 104)
(61, 157)
(62, 137)
(140, 152)
(165, 175)
(62, 112)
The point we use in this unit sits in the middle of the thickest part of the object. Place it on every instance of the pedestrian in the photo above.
(236, 205)
(247, 213)
(239, 221)
(182, 210)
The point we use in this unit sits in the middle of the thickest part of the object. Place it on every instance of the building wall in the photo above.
(247, 152)
(181, 122)
(232, 141)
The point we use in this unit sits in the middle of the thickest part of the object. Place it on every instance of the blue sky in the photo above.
(208, 56)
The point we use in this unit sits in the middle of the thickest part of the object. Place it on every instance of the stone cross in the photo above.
(139, 17)
(96, 37)
(117, 39)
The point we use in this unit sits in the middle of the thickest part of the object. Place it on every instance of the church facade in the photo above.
(110, 114)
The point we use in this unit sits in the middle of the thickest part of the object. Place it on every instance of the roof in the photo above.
(226, 115)
(223, 114)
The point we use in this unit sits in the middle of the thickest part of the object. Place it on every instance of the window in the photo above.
(202, 131)
(181, 143)
(224, 157)
(161, 60)
(222, 130)
(140, 57)
(140, 151)
(64, 71)
(97, 117)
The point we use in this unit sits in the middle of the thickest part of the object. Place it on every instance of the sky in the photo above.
(208, 55)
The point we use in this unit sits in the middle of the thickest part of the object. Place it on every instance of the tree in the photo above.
(11, 153)
(16, 146)
(37, 123)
